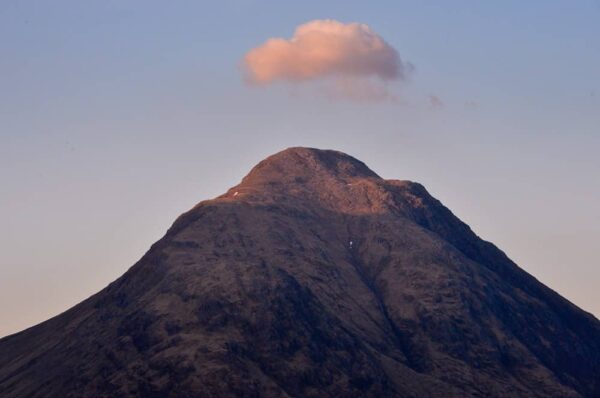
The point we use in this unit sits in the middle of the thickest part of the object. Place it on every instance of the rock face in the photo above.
(314, 277)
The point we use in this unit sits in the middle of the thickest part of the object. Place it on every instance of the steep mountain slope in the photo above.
(313, 277)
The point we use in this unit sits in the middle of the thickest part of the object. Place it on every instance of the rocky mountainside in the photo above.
(314, 277)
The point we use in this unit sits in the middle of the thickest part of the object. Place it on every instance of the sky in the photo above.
(117, 116)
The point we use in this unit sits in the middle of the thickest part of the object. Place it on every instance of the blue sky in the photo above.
(116, 116)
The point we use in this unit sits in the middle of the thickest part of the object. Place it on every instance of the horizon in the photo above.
(119, 117)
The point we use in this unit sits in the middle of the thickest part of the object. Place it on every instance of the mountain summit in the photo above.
(313, 277)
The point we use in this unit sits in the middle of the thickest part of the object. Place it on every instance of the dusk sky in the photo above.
(117, 116)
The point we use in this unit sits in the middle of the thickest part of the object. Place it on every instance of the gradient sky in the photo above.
(117, 116)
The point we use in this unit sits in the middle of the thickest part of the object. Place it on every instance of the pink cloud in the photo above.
(326, 49)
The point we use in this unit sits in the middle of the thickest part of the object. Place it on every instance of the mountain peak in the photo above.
(301, 163)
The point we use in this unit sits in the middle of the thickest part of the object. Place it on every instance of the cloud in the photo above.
(357, 59)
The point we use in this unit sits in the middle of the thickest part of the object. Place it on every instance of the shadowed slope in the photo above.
(313, 277)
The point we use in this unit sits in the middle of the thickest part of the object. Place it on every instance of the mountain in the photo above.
(313, 277)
